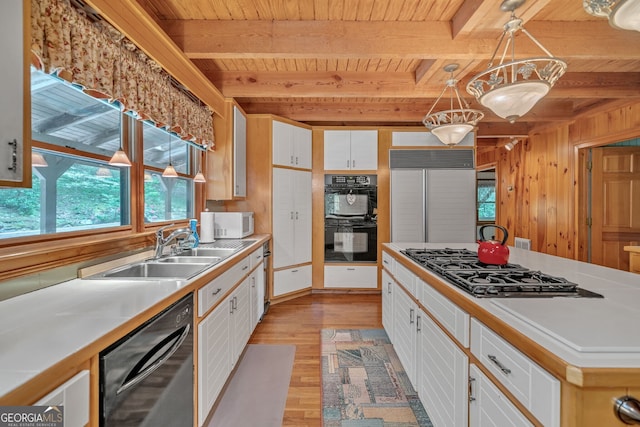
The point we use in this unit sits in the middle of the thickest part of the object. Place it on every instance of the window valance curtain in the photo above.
(99, 60)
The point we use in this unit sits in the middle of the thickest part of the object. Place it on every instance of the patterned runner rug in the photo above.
(364, 384)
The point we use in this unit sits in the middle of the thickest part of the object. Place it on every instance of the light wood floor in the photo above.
(299, 322)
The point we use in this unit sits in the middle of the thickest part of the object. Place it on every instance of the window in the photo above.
(486, 196)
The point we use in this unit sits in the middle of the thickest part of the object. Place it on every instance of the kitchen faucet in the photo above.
(162, 242)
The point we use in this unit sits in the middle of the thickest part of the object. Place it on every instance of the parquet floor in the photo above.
(299, 322)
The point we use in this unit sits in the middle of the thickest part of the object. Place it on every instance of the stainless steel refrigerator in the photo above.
(433, 195)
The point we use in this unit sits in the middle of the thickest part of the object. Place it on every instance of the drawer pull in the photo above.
(245, 267)
(411, 315)
(351, 269)
(495, 360)
(471, 381)
(216, 292)
(388, 287)
(418, 329)
(384, 261)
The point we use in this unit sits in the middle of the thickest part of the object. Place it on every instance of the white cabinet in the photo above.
(257, 295)
(488, 407)
(291, 280)
(442, 373)
(535, 388)
(387, 304)
(74, 396)
(239, 153)
(15, 140)
(404, 330)
(356, 277)
(240, 326)
(214, 358)
(291, 145)
(351, 150)
(291, 217)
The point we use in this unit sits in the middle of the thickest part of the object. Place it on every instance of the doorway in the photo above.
(609, 203)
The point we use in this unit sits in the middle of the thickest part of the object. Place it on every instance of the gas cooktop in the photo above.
(462, 268)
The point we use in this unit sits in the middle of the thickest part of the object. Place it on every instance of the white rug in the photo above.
(257, 392)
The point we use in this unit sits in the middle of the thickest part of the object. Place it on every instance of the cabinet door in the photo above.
(301, 142)
(15, 120)
(302, 216)
(257, 295)
(239, 153)
(291, 280)
(283, 217)
(404, 329)
(281, 144)
(337, 150)
(364, 149)
(442, 375)
(214, 357)
(488, 407)
(387, 305)
(74, 396)
(240, 319)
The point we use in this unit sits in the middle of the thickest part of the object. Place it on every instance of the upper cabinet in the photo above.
(15, 95)
(239, 153)
(351, 150)
(291, 145)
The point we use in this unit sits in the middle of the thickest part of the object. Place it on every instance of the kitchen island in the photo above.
(51, 338)
(582, 349)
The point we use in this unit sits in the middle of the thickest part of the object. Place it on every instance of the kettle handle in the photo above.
(504, 232)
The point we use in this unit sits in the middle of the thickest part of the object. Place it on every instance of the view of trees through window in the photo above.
(486, 197)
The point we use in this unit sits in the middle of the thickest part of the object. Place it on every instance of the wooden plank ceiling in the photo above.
(380, 62)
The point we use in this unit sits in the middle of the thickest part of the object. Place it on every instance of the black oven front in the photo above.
(351, 233)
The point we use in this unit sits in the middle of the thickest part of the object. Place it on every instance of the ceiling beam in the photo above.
(388, 39)
(354, 84)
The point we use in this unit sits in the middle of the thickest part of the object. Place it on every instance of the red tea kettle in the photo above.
(492, 251)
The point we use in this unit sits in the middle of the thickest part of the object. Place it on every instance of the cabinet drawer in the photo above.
(406, 278)
(455, 320)
(388, 262)
(256, 258)
(364, 277)
(210, 293)
(291, 280)
(534, 387)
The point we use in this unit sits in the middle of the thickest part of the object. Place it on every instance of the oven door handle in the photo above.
(140, 372)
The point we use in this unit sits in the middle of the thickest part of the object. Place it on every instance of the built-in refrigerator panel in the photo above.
(433, 196)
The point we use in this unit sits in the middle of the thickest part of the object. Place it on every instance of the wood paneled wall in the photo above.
(537, 181)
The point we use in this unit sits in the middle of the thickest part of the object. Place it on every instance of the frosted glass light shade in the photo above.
(199, 177)
(37, 160)
(626, 15)
(170, 172)
(120, 159)
(515, 100)
(452, 134)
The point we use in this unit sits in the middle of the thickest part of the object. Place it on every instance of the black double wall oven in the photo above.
(350, 218)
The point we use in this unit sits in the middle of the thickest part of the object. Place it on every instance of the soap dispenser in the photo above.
(193, 225)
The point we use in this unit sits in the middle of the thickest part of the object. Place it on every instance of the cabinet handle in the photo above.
(471, 381)
(245, 267)
(294, 271)
(216, 292)
(292, 159)
(411, 315)
(495, 360)
(296, 160)
(235, 303)
(353, 164)
(418, 328)
(231, 306)
(348, 163)
(14, 155)
(296, 214)
(384, 261)
(253, 282)
(388, 287)
(351, 269)
(291, 214)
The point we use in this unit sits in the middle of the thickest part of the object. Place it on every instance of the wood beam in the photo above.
(357, 84)
(393, 39)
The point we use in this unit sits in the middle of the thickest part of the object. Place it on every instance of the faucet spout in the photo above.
(162, 242)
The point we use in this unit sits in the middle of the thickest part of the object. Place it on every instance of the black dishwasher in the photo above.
(146, 378)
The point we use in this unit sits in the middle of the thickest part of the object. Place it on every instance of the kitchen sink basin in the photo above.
(208, 252)
(154, 270)
(180, 259)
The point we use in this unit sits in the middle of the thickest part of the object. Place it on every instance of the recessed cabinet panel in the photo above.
(351, 150)
(291, 145)
(239, 153)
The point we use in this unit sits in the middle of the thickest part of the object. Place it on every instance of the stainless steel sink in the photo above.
(208, 252)
(154, 270)
(180, 259)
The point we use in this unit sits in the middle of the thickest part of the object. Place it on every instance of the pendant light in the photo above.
(451, 126)
(510, 89)
(199, 176)
(120, 158)
(37, 160)
(170, 171)
(622, 14)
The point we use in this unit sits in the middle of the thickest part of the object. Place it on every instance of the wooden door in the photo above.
(615, 205)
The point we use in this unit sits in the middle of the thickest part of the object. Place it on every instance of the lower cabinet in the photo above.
(404, 329)
(291, 280)
(387, 304)
(222, 336)
(355, 277)
(257, 295)
(488, 407)
(74, 396)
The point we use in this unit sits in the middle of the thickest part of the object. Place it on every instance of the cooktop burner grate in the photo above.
(462, 268)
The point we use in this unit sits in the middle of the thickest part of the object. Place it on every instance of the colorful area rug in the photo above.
(364, 384)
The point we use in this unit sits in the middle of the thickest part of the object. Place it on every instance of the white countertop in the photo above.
(41, 328)
(585, 332)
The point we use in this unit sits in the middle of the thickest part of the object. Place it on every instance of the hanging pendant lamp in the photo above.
(451, 126)
(622, 14)
(170, 171)
(120, 157)
(510, 89)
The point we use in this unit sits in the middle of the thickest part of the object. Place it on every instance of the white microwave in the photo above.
(232, 225)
